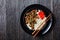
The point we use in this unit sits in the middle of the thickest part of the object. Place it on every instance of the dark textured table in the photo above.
(10, 12)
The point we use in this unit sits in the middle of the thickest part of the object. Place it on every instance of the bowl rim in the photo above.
(21, 22)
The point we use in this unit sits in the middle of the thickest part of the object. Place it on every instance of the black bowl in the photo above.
(36, 6)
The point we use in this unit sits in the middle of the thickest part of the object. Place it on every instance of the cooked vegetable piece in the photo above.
(31, 18)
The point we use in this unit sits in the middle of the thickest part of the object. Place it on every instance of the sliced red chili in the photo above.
(41, 14)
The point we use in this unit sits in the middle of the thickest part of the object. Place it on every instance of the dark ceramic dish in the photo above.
(36, 6)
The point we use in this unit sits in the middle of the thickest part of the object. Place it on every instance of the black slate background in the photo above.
(10, 12)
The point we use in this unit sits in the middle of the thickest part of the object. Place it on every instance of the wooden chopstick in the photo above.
(40, 25)
(37, 31)
(40, 28)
